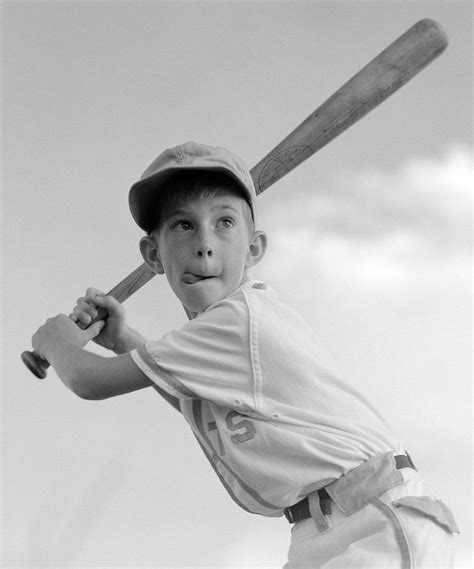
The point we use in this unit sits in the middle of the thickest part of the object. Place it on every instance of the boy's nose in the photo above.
(204, 252)
(204, 246)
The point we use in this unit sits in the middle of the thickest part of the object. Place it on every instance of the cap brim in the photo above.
(143, 193)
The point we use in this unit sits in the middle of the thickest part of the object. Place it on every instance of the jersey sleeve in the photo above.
(208, 358)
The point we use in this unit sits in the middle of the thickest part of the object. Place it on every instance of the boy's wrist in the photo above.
(64, 357)
(128, 342)
(58, 350)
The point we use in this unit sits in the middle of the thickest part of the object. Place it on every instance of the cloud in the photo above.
(378, 227)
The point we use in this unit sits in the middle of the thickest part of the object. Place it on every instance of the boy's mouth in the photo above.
(191, 278)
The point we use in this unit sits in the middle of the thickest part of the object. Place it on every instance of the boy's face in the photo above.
(204, 247)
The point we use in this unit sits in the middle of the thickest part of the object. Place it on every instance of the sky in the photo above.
(370, 239)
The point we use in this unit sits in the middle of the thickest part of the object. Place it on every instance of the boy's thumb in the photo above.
(95, 329)
(109, 302)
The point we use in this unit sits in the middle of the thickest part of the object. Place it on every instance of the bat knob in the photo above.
(35, 363)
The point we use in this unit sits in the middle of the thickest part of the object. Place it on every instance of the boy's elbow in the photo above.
(86, 389)
(82, 391)
(89, 395)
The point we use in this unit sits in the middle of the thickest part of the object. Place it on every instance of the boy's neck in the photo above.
(191, 315)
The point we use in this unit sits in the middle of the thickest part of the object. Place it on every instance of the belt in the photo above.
(300, 511)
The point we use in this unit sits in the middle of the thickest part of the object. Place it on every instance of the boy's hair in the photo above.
(189, 185)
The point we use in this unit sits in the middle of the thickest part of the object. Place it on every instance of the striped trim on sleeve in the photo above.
(159, 375)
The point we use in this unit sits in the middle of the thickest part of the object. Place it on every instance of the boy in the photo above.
(284, 435)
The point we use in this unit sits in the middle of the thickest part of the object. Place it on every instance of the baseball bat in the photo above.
(374, 83)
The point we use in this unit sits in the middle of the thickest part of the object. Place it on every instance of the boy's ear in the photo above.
(151, 254)
(257, 248)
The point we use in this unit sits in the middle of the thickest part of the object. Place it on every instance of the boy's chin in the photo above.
(196, 306)
(199, 300)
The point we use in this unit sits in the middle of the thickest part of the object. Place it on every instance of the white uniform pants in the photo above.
(404, 527)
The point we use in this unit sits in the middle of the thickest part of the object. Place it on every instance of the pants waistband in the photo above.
(355, 489)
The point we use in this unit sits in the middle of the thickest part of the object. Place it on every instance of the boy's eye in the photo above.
(227, 222)
(181, 225)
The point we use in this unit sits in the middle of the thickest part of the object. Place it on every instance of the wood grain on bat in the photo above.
(384, 75)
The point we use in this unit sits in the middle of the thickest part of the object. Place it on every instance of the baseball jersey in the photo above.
(257, 389)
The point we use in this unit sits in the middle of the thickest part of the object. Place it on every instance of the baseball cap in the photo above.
(187, 156)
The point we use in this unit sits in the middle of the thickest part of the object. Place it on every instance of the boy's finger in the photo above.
(92, 293)
(82, 316)
(112, 305)
(87, 307)
(83, 305)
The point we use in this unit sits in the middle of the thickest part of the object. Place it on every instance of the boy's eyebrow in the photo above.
(178, 211)
(227, 206)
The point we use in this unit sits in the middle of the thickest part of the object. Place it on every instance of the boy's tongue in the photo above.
(190, 278)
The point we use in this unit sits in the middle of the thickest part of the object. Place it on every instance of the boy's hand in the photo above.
(115, 331)
(59, 331)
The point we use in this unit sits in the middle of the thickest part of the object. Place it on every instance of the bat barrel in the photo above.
(374, 83)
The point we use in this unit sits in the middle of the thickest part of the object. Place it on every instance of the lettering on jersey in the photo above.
(238, 424)
(245, 428)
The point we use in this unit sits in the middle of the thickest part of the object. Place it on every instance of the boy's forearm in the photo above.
(91, 376)
(72, 363)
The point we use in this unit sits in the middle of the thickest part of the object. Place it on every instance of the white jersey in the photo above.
(254, 385)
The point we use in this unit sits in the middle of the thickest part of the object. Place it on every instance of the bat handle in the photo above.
(38, 365)
(123, 290)
(35, 363)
